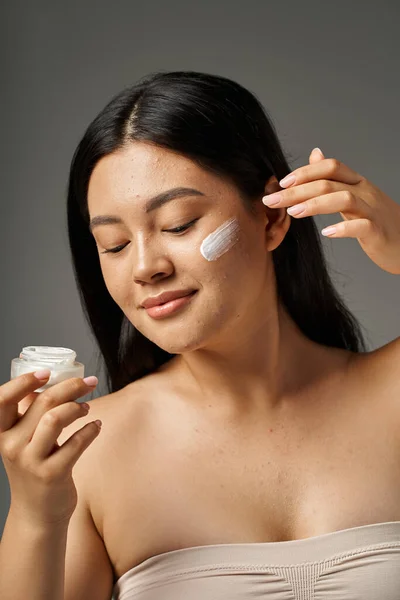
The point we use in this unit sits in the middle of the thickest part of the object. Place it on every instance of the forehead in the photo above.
(142, 170)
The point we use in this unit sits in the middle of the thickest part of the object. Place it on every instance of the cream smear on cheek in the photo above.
(220, 240)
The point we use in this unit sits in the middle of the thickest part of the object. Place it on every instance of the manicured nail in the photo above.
(272, 199)
(42, 374)
(296, 210)
(91, 381)
(328, 231)
(288, 180)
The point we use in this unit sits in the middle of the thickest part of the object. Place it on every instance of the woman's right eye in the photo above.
(176, 230)
(114, 250)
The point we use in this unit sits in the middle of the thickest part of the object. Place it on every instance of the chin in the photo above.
(181, 340)
(175, 346)
(194, 332)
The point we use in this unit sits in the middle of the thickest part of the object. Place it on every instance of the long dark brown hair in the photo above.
(223, 128)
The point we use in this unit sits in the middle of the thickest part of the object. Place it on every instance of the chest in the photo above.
(192, 483)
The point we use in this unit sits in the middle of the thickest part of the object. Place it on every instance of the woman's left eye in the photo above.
(181, 228)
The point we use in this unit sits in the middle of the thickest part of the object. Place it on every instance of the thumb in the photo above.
(316, 156)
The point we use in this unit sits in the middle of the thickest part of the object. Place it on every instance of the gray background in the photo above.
(327, 73)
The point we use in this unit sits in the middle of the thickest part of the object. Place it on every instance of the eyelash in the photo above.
(176, 230)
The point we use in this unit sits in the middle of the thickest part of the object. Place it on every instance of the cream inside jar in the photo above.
(60, 361)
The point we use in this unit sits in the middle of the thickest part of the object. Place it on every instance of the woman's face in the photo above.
(228, 272)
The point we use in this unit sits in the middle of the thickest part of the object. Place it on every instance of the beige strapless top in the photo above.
(358, 563)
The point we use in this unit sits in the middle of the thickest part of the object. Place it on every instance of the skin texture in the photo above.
(220, 240)
(252, 433)
(233, 339)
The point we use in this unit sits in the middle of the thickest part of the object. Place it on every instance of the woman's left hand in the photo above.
(328, 186)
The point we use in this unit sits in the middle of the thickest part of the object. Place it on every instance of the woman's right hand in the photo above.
(38, 469)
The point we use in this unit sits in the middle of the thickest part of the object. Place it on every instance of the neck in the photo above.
(258, 369)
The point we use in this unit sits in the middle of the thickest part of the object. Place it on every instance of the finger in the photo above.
(66, 391)
(12, 393)
(328, 168)
(316, 156)
(50, 426)
(26, 402)
(71, 450)
(304, 192)
(349, 204)
(356, 228)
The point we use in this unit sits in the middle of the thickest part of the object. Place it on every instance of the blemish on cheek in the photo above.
(220, 240)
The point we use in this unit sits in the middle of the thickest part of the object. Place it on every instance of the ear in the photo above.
(278, 220)
(272, 186)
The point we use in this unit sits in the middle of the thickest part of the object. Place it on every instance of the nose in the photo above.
(151, 263)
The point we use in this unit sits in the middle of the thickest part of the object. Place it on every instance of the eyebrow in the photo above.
(151, 204)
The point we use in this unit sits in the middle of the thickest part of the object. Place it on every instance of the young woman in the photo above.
(250, 443)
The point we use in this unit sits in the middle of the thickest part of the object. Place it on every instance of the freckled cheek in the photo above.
(230, 264)
(240, 268)
(227, 268)
(118, 283)
(234, 266)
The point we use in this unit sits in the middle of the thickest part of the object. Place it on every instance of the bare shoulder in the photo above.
(380, 368)
(123, 415)
(113, 410)
(375, 384)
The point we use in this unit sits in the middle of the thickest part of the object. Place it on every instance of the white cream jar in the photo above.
(60, 361)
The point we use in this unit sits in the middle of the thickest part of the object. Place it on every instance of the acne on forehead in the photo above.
(140, 169)
(117, 180)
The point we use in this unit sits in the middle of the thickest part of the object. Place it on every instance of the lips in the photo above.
(167, 309)
(165, 297)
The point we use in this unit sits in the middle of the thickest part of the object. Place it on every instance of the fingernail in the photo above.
(42, 374)
(328, 231)
(296, 210)
(91, 381)
(288, 180)
(319, 150)
(272, 199)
